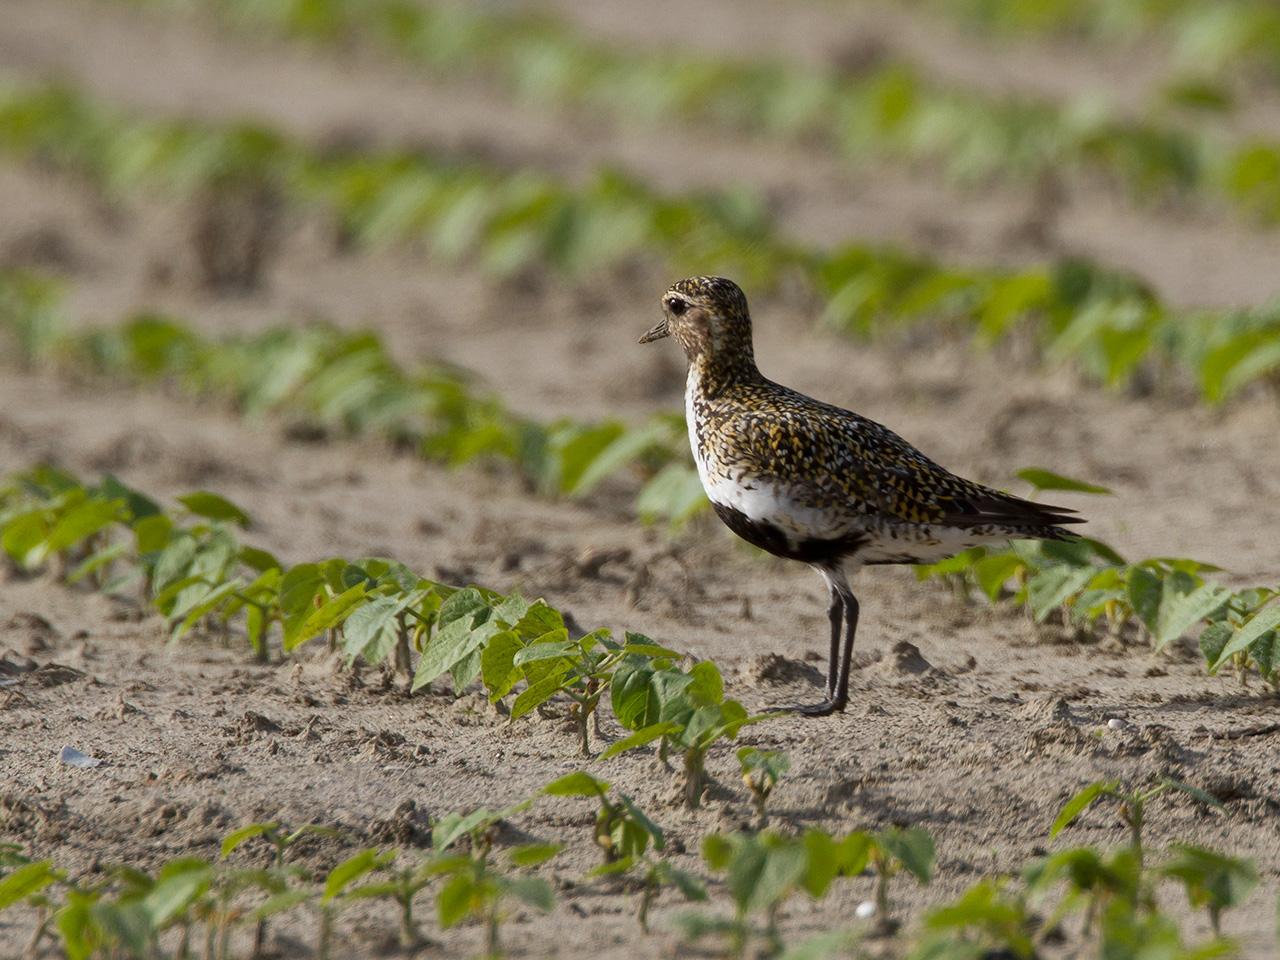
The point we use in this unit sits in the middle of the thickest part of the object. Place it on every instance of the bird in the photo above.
(809, 481)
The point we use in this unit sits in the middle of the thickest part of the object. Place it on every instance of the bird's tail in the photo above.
(1018, 518)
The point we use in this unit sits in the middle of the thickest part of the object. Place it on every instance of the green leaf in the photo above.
(97, 561)
(329, 615)
(1213, 640)
(372, 631)
(205, 504)
(1081, 802)
(464, 604)
(783, 868)
(498, 666)
(454, 901)
(1043, 479)
(1054, 586)
(707, 686)
(822, 863)
(1195, 793)
(533, 891)
(79, 523)
(853, 853)
(546, 650)
(675, 494)
(913, 848)
(282, 902)
(1211, 879)
(1268, 618)
(452, 643)
(534, 854)
(25, 881)
(237, 837)
(1145, 589)
(173, 895)
(540, 691)
(352, 869)
(640, 738)
(207, 605)
(577, 784)
(641, 819)
(22, 536)
(298, 588)
(1182, 609)
(993, 571)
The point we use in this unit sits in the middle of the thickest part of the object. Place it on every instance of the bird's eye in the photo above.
(677, 307)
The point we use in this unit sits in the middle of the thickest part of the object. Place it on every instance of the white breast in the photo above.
(757, 499)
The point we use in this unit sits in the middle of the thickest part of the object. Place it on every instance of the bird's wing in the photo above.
(831, 457)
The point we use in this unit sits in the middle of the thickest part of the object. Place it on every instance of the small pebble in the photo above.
(865, 909)
(74, 758)
(1115, 723)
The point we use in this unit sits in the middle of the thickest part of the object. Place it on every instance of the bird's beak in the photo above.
(656, 332)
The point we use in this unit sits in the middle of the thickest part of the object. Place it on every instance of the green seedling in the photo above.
(762, 870)
(761, 770)
(402, 886)
(27, 882)
(550, 664)
(196, 570)
(1211, 880)
(627, 838)
(147, 906)
(279, 837)
(685, 710)
(473, 888)
(889, 853)
(336, 890)
(986, 921)
(281, 840)
(1133, 805)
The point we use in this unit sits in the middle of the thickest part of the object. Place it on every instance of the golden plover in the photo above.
(809, 481)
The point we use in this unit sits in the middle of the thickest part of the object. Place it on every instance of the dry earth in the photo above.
(977, 731)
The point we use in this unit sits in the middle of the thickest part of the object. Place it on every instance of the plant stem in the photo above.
(882, 891)
(493, 944)
(38, 934)
(408, 931)
(259, 938)
(326, 933)
(584, 732)
(693, 778)
(646, 901)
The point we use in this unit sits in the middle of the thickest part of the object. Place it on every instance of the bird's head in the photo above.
(708, 317)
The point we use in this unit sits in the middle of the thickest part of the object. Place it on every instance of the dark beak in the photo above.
(656, 332)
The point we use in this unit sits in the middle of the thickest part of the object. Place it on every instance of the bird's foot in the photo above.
(823, 709)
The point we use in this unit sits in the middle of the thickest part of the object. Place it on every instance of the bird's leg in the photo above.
(836, 614)
(850, 629)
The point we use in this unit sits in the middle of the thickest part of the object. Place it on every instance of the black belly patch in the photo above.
(773, 540)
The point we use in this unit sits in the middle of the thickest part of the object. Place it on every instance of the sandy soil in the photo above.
(978, 738)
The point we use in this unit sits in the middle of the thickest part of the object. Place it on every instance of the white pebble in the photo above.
(865, 909)
(1115, 723)
(74, 758)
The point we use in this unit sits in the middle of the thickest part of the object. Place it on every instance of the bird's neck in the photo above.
(713, 372)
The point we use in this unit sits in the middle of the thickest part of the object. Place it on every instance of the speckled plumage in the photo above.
(813, 482)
